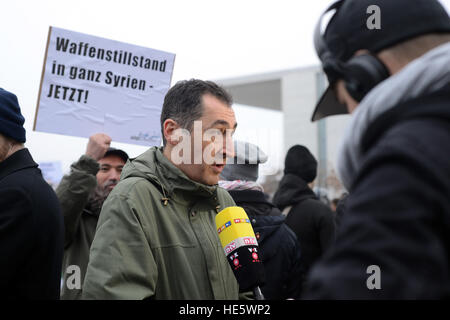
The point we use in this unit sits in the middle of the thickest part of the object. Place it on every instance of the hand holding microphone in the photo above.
(241, 248)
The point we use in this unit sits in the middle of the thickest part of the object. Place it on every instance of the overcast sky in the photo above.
(211, 39)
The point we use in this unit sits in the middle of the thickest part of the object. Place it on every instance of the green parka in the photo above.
(80, 222)
(156, 237)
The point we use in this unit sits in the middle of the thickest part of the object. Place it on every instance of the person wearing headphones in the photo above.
(394, 239)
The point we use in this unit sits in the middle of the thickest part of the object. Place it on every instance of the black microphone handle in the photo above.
(258, 294)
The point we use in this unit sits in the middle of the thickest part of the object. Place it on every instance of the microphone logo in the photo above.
(235, 260)
(255, 256)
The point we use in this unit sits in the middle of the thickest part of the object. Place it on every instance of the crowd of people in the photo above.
(144, 228)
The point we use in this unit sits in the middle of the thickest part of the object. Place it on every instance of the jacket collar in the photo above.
(19, 160)
(177, 179)
(253, 196)
(437, 107)
(154, 166)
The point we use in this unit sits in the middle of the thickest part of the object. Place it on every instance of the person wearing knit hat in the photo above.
(31, 223)
(312, 221)
(301, 162)
(11, 120)
(244, 166)
(278, 245)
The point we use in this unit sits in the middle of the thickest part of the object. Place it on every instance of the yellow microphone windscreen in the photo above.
(234, 229)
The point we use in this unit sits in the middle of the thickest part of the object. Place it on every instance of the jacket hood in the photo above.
(263, 214)
(292, 189)
(267, 220)
(155, 167)
(267, 225)
(269, 230)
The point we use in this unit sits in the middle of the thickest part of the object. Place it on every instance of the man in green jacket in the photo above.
(81, 194)
(156, 237)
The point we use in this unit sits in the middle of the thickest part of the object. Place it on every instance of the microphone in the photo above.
(241, 248)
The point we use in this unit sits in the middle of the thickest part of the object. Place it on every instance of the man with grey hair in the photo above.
(156, 235)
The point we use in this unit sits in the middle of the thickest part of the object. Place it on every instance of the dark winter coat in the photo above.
(340, 211)
(278, 245)
(31, 231)
(397, 215)
(311, 220)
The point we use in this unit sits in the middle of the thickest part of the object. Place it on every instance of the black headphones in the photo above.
(361, 73)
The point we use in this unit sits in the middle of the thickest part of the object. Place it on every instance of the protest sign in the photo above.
(52, 172)
(91, 84)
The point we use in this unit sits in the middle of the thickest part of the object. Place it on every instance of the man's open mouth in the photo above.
(218, 167)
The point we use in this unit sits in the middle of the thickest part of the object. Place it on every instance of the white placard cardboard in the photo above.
(52, 172)
(91, 84)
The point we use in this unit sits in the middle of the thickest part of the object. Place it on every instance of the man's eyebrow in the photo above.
(221, 122)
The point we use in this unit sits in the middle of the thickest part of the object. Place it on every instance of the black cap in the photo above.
(117, 152)
(347, 32)
(300, 162)
(328, 105)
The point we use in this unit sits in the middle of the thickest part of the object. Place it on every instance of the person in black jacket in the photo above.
(312, 221)
(278, 245)
(340, 210)
(31, 224)
(394, 237)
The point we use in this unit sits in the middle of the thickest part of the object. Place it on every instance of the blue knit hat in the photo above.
(11, 120)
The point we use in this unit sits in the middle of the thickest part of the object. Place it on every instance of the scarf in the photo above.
(240, 185)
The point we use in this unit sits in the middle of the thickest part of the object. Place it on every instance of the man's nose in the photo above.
(229, 147)
(115, 175)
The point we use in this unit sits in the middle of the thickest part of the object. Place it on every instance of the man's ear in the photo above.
(169, 127)
(393, 62)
